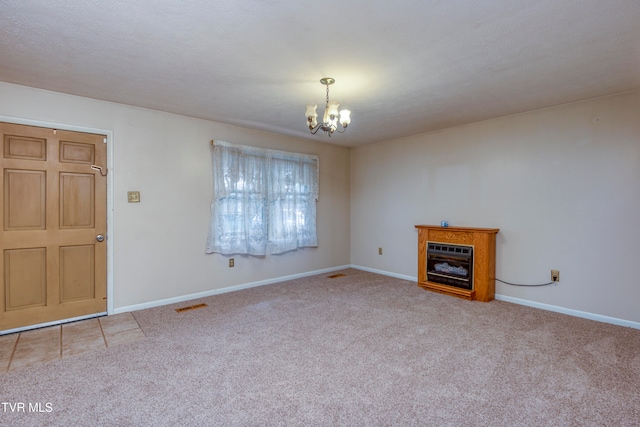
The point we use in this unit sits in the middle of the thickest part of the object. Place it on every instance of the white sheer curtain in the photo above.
(264, 201)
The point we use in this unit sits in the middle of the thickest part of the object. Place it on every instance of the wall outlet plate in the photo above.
(231, 262)
(555, 275)
(379, 251)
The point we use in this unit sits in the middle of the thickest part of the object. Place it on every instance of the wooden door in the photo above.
(53, 207)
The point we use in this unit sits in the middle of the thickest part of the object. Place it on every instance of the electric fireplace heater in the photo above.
(450, 265)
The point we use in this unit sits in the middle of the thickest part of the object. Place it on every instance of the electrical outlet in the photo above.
(555, 275)
(231, 262)
(379, 251)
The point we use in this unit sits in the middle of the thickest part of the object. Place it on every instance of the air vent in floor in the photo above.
(191, 307)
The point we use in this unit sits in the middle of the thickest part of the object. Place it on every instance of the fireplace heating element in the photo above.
(450, 265)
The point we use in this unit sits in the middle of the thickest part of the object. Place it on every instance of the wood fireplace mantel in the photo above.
(483, 241)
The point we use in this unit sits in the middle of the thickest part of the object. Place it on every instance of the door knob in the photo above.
(100, 238)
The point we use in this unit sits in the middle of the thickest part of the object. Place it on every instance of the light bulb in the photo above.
(345, 118)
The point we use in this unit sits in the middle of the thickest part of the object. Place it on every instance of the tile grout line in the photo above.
(13, 353)
(137, 323)
(103, 335)
(61, 341)
(14, 350)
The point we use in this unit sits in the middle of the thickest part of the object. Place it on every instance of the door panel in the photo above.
(24, 199)
(21, 147)
(77, 194)
(54, 205)
(73, 152)
(25, 277)
(77, 272)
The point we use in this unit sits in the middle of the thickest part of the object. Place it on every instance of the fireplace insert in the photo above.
(450, 265)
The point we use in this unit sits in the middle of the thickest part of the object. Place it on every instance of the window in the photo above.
(264, 201)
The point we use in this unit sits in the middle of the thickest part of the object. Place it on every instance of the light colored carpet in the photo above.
(362, 349)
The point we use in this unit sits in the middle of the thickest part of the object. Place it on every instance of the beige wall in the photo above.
(158, 244)
(562, 184)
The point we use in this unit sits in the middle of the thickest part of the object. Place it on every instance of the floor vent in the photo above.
(191, 307)
(336, 275)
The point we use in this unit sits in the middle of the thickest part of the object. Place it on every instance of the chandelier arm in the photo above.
(319, 126)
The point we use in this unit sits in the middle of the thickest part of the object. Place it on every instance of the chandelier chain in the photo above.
(327, 104)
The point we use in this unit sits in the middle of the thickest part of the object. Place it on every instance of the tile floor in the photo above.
(29, 348)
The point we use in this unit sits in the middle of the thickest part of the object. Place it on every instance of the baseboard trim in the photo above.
(385, 273)
(519, 301)
(499, 297)
(183, 298)
(570, 312)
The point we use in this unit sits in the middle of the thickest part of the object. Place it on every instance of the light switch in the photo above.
(133, 196)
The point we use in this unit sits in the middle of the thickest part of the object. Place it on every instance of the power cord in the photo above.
(520, 284)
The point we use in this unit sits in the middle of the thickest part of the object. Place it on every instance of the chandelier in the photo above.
(330, 119)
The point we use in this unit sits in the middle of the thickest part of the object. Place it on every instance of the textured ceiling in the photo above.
(402, 67)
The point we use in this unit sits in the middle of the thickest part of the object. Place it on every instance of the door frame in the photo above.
(110, 237)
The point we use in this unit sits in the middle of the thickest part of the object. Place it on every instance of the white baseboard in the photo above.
(548, 307)
(499, 297)
(385, 273)
(212, 292)
(570, 312)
